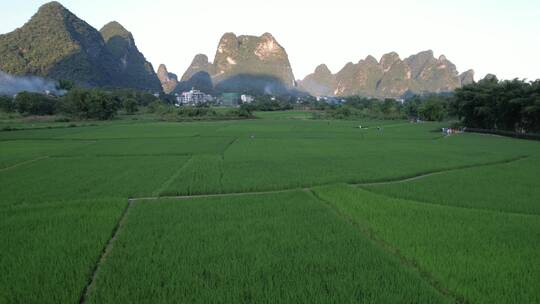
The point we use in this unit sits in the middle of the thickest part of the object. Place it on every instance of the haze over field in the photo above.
(490, 36)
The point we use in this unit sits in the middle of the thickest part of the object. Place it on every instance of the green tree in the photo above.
(28, 103)
(411, 107)
(65, 85)
(432, 110)
(89, 104)
(130, 105)
(512, 105)
(6, 104)
(244, 111)
(476, 103)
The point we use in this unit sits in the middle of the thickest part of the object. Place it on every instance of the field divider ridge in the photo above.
(26, 162)
(437, 172)
(232, 194)
(171, 179)
(387, 247)
(416, 201)
(228, 146)
(104, 253)
(156, 196)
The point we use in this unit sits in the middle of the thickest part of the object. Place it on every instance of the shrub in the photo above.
(510, 105)
(65, 85)
(28, 103)
(6, 104)
(130, 105)
(89, 104)
(432, 111)
(158, 107)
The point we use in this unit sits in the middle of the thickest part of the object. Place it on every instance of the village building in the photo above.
(247, 98)
(193, 97)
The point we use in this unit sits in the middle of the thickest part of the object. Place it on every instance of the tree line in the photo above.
(510, 105)
(78, 103)
(429, 108)
(490, 104)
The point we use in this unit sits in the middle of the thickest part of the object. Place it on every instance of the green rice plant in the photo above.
(124, 130)
(201, 174)
(48, 251)
(294, 128)
(482, 256)
(283, 163)
(20, 151)
(153, 146)
(286, 247)
(281, 248)
(72, 178)
(284, 114)
(43, 133)
(510, 187)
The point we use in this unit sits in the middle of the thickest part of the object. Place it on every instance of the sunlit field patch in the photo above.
(278, 248)
(481, 256)
(454, 218)
(49, 250)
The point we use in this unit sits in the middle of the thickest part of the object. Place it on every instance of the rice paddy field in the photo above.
(279, 209)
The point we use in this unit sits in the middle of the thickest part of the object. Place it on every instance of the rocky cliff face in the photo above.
(361, 77)
(245, 63)
(250, 55)
(169, 81)
(134, 71)
(56, 44)
(390, 77)
(321, 83)
(199, 64)
(467, 77)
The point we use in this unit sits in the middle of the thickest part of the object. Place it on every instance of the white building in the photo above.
(193, 97)
(247, 98)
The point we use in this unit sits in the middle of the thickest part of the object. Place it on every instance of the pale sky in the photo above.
(489, 36)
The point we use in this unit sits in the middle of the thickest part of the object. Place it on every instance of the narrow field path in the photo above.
(228, 146)
(366, 231)
(363, 229)
(171, 179)
(421, 176)
(417, 201)
(24, 163)
(232, 194)
(387, 247)
(105, 252)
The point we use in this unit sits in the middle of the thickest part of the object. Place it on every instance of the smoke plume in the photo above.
(11, 85)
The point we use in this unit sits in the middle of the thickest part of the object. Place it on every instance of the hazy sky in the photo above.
(489, 36)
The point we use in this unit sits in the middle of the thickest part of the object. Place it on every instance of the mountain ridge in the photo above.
(245, 63)
(391, 76)
(57, 44)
